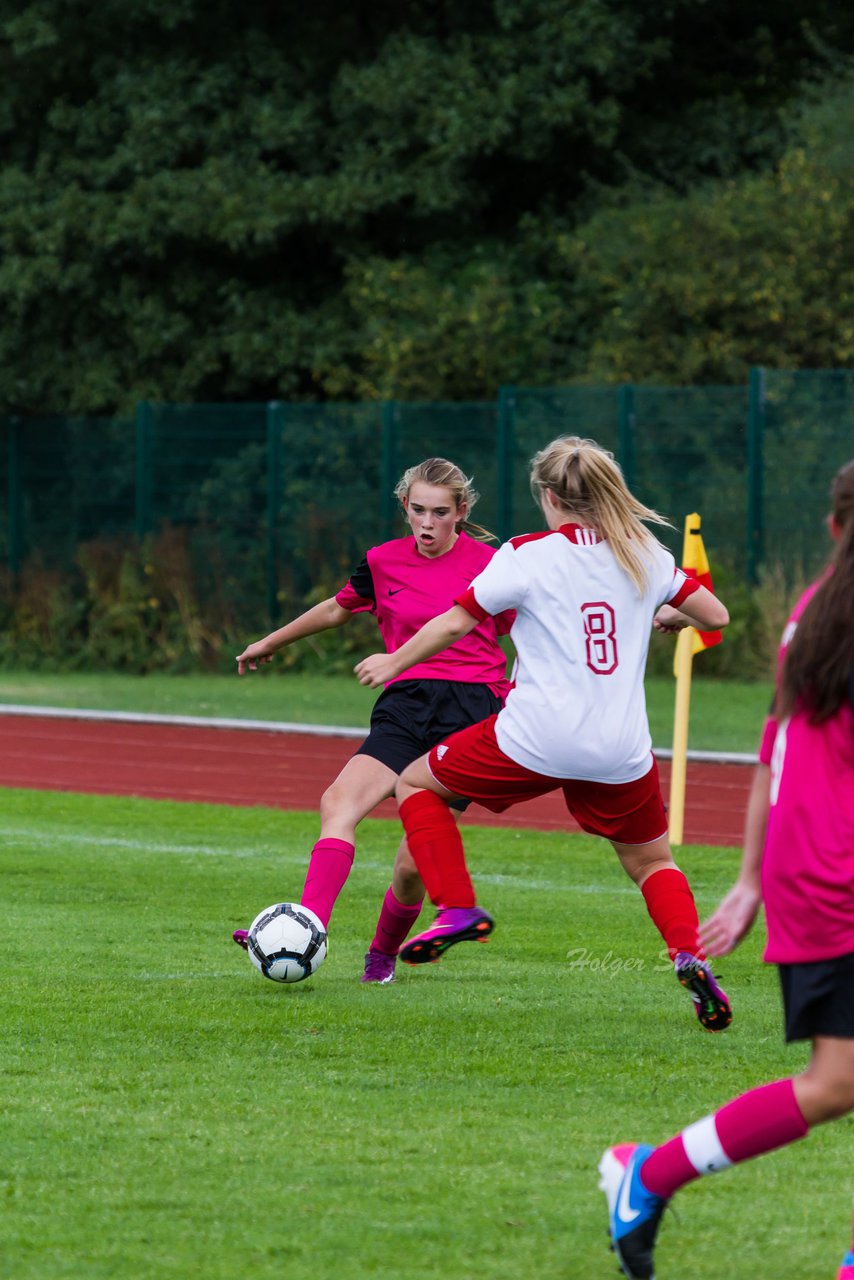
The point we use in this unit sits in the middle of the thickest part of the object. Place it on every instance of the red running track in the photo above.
(286, 771)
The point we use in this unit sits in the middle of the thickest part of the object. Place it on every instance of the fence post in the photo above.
(14, 551)
(275, 423)
(144, 419)
(626, 432)
(388, 466)
(504, 450)
(755, 469)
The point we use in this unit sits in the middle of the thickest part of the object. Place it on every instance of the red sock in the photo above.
(437, 849)
(755, 1122)
(396, 919)
(672, 909)
(328, 869)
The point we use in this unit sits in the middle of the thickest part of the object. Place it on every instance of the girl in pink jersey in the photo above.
(798, 859)
(404, 583)
(587, 594)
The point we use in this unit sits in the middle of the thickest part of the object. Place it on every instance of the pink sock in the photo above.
(328, 869)
(396, 919)
(758, 1121)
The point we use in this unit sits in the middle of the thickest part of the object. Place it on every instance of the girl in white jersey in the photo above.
(587, 594)
(403, 582)
(799, 837)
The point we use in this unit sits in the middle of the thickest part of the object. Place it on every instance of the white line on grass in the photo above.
(56, 839)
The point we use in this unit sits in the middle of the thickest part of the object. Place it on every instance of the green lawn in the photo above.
(725, 716)
(167, 1112)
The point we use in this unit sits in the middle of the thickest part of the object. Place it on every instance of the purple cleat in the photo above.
(710, 1001)
(452, 924)
(379, 968)
(241, 937)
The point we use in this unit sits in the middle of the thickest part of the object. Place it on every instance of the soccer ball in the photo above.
(286, 942)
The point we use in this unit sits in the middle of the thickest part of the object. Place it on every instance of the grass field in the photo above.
(166, 1112)
(725, 715)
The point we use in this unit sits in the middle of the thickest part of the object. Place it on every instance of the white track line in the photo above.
(284, 726)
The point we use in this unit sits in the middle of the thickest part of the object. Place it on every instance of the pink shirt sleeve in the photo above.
(349, 599)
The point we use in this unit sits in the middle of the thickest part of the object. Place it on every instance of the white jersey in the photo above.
(582, 632)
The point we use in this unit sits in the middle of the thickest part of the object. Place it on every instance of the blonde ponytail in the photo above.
(587, 481)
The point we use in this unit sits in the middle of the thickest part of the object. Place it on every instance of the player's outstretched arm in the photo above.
(734, 917)
(702, 609)
(321, 617)
(434, 636)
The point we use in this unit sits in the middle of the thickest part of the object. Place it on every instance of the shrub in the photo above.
(139, 607)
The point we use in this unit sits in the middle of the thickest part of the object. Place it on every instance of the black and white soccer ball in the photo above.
(287, 942)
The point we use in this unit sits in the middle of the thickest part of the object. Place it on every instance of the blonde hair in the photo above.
(441, 472)
(586, 479)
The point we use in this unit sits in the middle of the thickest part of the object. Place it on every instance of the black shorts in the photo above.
(818, 998)
(411, 716)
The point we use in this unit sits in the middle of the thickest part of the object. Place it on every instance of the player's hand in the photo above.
(251, 656)
(669, 621)
(375, 670)
(732, 920)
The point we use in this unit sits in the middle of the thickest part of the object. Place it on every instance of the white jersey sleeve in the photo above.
(666, 580)
(502, 584)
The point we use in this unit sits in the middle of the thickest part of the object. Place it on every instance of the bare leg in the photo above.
(825, 1090)
(359, 787)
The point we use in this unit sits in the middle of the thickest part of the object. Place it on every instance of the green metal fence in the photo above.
(273, 500)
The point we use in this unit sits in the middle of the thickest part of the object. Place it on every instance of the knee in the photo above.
(839, 1099)
(405, 788)
(825, 1098)
(335, 803)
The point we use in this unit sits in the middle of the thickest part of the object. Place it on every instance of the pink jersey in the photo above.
(582, 631)
(405, 589)
(808, 860)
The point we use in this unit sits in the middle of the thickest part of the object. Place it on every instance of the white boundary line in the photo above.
(284, 726)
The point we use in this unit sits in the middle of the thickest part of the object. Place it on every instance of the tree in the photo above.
(208, 202)
(757, 270)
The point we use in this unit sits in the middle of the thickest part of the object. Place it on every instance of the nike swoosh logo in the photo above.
(625, 1212)
(394, 590)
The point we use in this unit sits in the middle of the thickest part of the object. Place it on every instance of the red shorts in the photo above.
(471, 763)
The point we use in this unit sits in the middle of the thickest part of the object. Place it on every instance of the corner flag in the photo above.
(695, 563)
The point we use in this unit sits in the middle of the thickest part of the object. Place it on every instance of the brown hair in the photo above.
(820, 658)
(586, 479)
(440, 471)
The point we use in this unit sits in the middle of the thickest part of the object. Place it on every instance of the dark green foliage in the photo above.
(173, 604)
(237, 202)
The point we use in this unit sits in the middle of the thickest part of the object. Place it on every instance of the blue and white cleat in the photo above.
(633, 1212)
(846, 1271)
